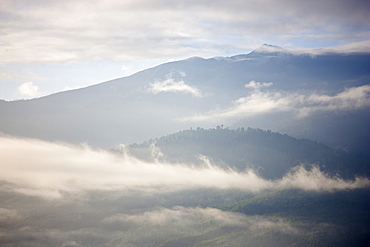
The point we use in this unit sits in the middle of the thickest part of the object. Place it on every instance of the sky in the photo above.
(51, 46)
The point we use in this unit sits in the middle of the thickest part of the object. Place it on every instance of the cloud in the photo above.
(257, 85)
(362, 46)
(350, 99)
(126, 68)
(315, 180)
(174, 86)
(94, 223)
(302, 105)
(29, 90)
(179, 222)
(180, 218)
(255, 103)
(146, 29)
(94, 197)
(52, 170)
(359, 46)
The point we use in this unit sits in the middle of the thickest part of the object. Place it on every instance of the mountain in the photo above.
(323, 97)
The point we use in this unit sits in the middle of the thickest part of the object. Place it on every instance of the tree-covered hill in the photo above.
(271, 154)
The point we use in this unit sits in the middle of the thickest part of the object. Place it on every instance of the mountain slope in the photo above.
(174, 96)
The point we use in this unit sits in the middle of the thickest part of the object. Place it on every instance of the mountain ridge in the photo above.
(272, 154)
(129, 110)
(265, 49)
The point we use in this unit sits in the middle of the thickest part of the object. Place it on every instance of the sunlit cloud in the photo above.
(302, 105)
(28, 89)
(315, 180)
(50, 170)
(172, 85)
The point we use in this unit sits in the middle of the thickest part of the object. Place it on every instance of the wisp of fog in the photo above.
(49, 170)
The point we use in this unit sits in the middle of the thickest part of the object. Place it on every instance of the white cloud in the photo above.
(29, 90)
(359, 46)
(350, 99)
(302, 105)
(257, 85)
(352, 47)
(174, 86)
(255, 103)
(50, 170)
(315, 180)
(128, 30)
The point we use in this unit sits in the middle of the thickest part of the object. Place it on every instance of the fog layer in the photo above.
(49, 170)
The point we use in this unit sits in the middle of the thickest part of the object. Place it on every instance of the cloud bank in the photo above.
(51, 170)
(131, 30)
(302, 105)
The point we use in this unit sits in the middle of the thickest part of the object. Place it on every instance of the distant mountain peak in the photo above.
(262, 52)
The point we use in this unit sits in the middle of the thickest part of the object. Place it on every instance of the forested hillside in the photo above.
(270, 153)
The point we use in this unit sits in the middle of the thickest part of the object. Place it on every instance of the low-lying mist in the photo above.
(56, 194)
(49, 170)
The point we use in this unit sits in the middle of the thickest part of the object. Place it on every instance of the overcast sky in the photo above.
(49, 46)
